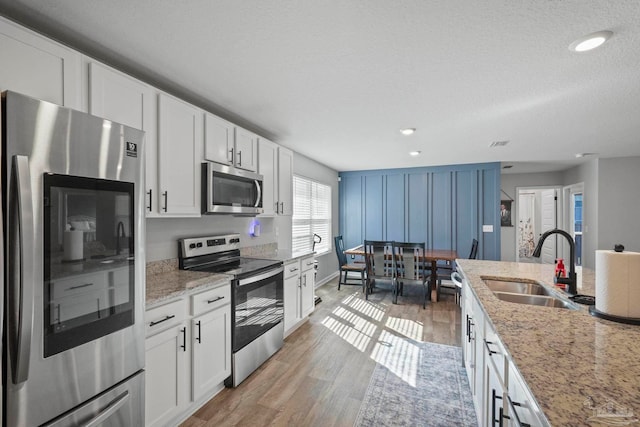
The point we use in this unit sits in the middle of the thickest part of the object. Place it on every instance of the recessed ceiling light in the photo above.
(414, 153)
(580, 155)
(408, 131)
(591, 41)
(498, 143)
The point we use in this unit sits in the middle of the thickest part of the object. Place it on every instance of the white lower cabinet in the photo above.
(188, 354)
(307, 281)
(299, 297)
(211, 343)
(292, 311)
(500, 395)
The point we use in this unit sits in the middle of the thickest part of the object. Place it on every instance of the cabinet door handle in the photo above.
(211, 301)
(494, 397)
(281, 207)
(184, 339)
(239, 158)
(231, 159)
(299, 282)
(277, 207)
(491, 352)
(166, 200)
(150, 199)
(199, 338)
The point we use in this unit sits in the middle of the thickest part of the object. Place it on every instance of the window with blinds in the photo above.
(311, 215)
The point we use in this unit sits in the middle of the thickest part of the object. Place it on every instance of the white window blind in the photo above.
(311, 215)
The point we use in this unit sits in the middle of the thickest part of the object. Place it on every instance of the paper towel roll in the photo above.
(73, 245)
(618, 283)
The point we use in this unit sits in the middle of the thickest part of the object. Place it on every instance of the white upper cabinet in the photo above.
(275, 164)
(246, 150)
(179, 155)
(38, 67)
(285, 181)
(268, 168)
(123, 99)
(218, 139)
(228, 144)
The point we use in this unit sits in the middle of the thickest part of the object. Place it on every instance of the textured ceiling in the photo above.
(336, 80)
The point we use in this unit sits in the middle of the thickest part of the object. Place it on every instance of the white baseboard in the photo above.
(327, 279)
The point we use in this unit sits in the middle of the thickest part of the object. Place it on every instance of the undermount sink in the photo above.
(540, 300)
(522, 292)
(516, 287)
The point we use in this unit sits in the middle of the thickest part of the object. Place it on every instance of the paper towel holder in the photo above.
(620, 319)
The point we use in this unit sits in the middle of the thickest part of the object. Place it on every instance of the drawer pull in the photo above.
(79, 286)
(291, 270)
(156, 322)
(211, 301)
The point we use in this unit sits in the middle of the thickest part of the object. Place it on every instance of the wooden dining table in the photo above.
(430, 255)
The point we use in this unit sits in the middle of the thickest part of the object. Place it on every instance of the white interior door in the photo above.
(548, 222)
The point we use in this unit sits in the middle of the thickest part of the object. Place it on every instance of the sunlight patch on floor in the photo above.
(349, 326)
(409, 328)
(367, 308)
(399, 355)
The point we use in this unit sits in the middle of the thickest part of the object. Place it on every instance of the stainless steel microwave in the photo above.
(227, 190)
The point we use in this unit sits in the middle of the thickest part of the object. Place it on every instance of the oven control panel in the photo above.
(196, 246)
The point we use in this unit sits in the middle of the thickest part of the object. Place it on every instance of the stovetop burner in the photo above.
(220, 254)
(584, 299)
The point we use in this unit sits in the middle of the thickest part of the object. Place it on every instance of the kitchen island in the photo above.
(575, 366)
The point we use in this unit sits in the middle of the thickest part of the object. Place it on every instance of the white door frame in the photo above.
(567, 193)
(559, 213)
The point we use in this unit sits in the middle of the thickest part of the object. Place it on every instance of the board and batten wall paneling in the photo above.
(394, 204)
(443, 206)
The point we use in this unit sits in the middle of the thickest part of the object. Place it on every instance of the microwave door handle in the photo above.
(259, 193)
(26, 239)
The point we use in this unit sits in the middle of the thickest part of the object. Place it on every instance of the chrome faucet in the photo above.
(572, 279)
(119, 233)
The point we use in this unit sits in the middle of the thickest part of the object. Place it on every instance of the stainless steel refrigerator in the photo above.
(73, 266)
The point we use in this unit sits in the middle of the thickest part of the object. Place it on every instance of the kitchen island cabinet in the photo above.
(562, 367)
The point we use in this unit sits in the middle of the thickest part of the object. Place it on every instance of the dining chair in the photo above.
(455, 285)
(411, 267)
(346, 268)
(381, 265)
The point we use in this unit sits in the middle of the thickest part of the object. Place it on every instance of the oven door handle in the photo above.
(25, 267)
(259, 194)
(259, 277)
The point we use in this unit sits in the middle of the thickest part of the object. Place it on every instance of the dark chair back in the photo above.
(474, 249)
(339, 244)
(380, 259)
(411, 264)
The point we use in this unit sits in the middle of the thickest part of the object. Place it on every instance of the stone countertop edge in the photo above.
(575, 365)
(165, 286)
(286, 255)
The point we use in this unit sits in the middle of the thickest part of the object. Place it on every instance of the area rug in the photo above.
(434, 393)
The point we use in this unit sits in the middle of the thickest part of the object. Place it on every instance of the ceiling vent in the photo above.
(498, 143)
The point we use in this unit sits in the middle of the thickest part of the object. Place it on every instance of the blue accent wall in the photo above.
(443, 206)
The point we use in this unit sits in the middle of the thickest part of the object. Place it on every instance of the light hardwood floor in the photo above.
(320, 376)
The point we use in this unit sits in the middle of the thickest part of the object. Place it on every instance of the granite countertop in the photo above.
(285, 255)
(571, 361)
(164, 286)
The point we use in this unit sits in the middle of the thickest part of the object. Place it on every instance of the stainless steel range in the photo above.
(257, 317)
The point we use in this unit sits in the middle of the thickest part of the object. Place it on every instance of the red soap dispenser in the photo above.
(560, 269)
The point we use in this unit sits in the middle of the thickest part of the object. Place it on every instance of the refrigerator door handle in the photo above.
(111, 408)
(26, 239)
